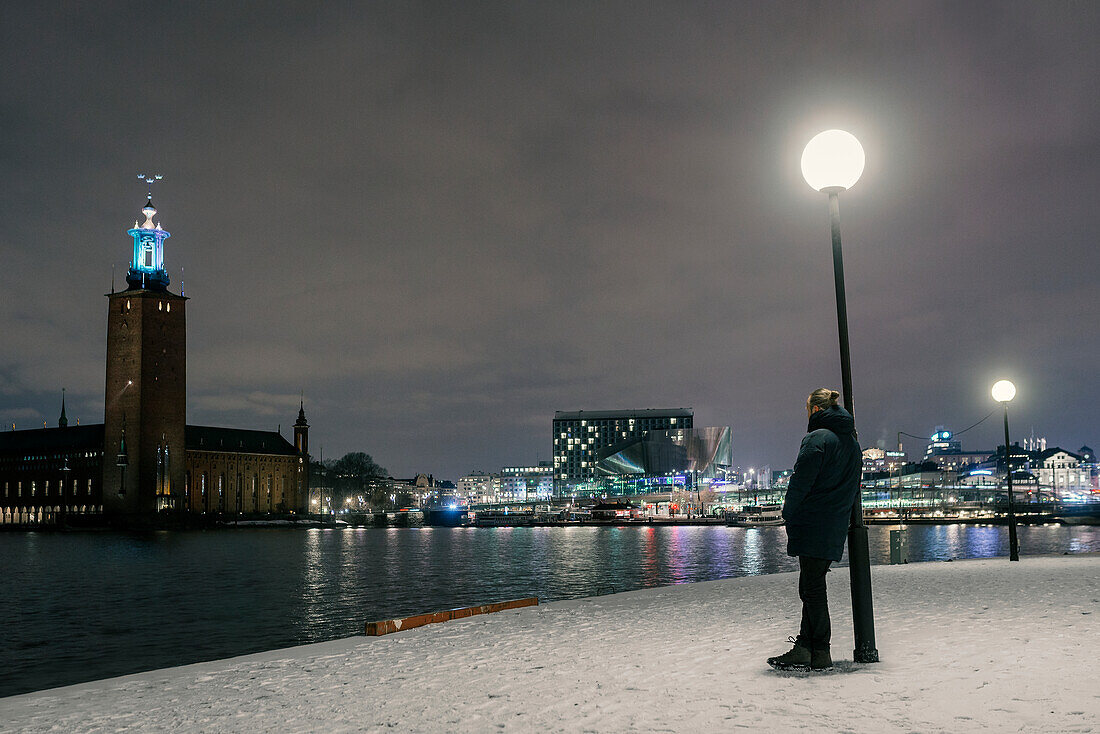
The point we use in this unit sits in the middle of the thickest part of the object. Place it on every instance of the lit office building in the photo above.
(527, 483)
(478, 487)
(580, 436)
(945, 451)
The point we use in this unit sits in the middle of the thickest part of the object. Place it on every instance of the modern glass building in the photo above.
(580, 436)
(665, 461)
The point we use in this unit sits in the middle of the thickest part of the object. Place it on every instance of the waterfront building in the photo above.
(876, 461)
(46, 471)
(527, 483)
(945, 451)
(1063, 471)
(580, 436)
(230, 470)
(479, 487)
(416, 491)
(665, 461)
(144, 458)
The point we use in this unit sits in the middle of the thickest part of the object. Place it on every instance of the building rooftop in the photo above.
(562, 415)
(210, 438)
(52, 440)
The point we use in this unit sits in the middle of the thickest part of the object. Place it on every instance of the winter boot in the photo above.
(821, 660)
(799, 658)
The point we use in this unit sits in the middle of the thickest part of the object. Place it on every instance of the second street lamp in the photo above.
(1003, 392)
(832, 162)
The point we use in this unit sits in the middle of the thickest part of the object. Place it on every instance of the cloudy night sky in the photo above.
(445, 221)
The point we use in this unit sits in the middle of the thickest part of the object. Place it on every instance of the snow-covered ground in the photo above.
(966, 646)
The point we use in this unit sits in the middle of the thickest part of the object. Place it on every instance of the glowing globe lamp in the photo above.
(832, 160)
(1003, 391)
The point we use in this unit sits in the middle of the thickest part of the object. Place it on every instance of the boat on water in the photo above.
(756, 516)
(502, 518)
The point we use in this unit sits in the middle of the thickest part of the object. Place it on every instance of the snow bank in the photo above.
(966, 646)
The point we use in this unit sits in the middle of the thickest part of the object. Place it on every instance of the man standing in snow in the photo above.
(818, 509)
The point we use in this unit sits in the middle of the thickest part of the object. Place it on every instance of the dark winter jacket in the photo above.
(824, 484)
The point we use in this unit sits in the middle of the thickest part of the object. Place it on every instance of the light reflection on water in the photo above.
(104, 604)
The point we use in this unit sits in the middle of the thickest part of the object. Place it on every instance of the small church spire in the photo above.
(301, 412)
(62, 422)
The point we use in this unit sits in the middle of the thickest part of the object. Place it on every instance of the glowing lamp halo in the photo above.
(833, 159)
(1003, 391)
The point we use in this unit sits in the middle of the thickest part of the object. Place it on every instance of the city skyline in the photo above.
(444, 224)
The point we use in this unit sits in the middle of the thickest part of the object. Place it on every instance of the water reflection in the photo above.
(752, 537)
(193, 596)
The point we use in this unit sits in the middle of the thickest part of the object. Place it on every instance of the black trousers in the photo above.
(816, 628)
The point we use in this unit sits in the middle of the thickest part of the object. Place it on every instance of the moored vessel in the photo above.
(756, 516)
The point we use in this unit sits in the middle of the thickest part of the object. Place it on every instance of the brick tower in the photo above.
(145, 400)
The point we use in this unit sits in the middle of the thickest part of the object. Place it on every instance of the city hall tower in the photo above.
(145, 400)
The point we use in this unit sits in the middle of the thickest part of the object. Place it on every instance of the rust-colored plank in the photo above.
(388, 626)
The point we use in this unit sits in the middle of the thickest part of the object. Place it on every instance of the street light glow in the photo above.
(832, 160)
(1003, 391)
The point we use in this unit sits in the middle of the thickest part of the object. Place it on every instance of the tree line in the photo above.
(354, 475)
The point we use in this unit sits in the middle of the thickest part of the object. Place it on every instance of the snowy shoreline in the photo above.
(967, 645)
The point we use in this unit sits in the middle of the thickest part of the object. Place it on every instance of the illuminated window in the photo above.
(168, 307)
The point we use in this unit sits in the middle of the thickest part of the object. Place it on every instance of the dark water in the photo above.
(82, 606)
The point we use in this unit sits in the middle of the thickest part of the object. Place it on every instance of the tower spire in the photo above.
(62, 422)
(147, 266)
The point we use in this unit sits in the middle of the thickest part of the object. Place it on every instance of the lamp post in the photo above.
(1003, 392)
(832, 162)
(122, 460)
(65, 470)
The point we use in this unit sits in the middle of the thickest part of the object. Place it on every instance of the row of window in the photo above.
(33, 486)
(161, 305)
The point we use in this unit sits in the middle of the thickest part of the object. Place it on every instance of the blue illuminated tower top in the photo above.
(147, 267)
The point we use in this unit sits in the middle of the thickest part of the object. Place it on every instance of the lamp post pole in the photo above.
(1003, 392)
(65, 469)
(859, 556)
(1013, 540)
(832, 162)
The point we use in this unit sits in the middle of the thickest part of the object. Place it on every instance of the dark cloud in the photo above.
(445, 221)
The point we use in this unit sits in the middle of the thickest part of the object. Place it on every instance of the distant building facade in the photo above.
(228, 470)
(945, 451)
(876, 460)
(1063, 471)
(527, 483)
(479, 487)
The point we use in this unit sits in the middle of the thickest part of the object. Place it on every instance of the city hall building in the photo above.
(144, 459)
